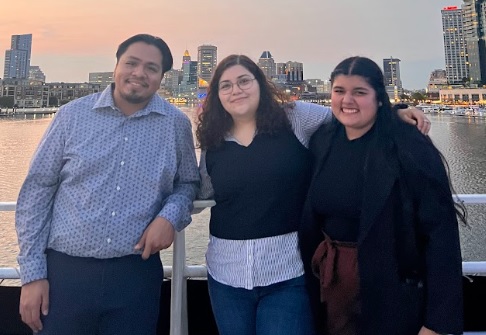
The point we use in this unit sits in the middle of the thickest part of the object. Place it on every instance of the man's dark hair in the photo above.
(157, 42)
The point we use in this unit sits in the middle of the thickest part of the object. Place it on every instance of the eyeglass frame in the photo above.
(237, 84)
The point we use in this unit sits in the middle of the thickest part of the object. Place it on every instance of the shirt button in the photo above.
(126, 139)
(118, 188)
(122, 163)
(108, 240)
(113, 213)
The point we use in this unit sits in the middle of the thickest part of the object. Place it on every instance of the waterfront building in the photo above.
(25, 92)
(474, 25)
(456, 57)
(463, 96)
(17, 59)
(101, 78)
(62, 93)
(206, 63)
(267, 64)
(391, 73)
(437, 81)
(35, 73)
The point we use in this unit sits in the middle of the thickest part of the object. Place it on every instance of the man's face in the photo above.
(137, 74)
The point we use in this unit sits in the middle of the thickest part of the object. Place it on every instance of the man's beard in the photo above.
(134, 98)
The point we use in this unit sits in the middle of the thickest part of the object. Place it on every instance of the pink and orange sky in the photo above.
(72, 38)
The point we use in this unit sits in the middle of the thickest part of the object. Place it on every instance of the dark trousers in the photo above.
(90, 296)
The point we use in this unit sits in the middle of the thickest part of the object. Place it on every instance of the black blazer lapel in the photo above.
(380, 174)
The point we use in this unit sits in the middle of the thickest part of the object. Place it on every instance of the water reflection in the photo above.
(460, 139)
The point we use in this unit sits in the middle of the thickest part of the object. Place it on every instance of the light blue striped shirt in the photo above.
(265, 261)
(98, 178)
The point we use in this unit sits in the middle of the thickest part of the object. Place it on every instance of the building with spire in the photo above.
(188, 83)
(267, 64)
(17, 59)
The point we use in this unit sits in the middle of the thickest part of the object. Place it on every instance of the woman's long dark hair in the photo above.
(215, 122)
(387, 122)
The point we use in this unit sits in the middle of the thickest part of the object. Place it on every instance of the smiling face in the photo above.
(239, 103)
(354, 104)
(137, 77)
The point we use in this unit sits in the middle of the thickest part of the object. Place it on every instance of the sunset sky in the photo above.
(72, 38)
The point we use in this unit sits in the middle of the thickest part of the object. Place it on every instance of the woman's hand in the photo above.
(415, 116)
(426, 331)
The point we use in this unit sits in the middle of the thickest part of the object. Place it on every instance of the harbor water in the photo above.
(461, 139)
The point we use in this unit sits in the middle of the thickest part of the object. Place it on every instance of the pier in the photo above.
(27, 112)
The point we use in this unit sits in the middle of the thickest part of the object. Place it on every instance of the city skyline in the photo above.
(72, 39)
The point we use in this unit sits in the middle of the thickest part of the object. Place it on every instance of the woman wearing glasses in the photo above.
(256, 166)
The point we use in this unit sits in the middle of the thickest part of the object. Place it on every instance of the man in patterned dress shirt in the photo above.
(114, 175)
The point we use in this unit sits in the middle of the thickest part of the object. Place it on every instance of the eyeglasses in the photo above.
(244, 83)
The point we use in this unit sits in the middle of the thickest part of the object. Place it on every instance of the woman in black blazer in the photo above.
(379, 236)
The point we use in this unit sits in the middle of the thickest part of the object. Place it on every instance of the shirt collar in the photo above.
(155, 105)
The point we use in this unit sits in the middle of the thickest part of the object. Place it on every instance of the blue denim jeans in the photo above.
(281, 308)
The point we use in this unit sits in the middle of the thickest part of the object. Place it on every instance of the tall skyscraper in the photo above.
(206, 63)
(474, 25)
(391, 73)
(17, 59)
(267, 64)
(189, 74)
(189, 69)
(456, 58)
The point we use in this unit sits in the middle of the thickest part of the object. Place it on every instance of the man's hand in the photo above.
(158, 235)
(415, 116)
(34, 299)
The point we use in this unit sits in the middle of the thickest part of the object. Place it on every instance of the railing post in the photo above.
(178, 301)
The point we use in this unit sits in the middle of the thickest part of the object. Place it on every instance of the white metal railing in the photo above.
(180, 271)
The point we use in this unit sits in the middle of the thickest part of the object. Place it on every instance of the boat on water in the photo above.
(185, 305)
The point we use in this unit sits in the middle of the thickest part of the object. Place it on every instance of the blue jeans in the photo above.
(281, 308)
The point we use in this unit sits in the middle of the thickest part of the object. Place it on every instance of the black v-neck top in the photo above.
(259, 189)
(336, 193)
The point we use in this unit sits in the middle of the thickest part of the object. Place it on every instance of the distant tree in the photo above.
(417, 96)
(404, 96)
(7, 102)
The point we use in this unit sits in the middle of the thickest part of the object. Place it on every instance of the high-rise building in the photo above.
(391, 73)
(206, 63)
(474, 25)
(456, 57)
(267, 64)
(17, 59)
(189, 69)
(294, 72)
